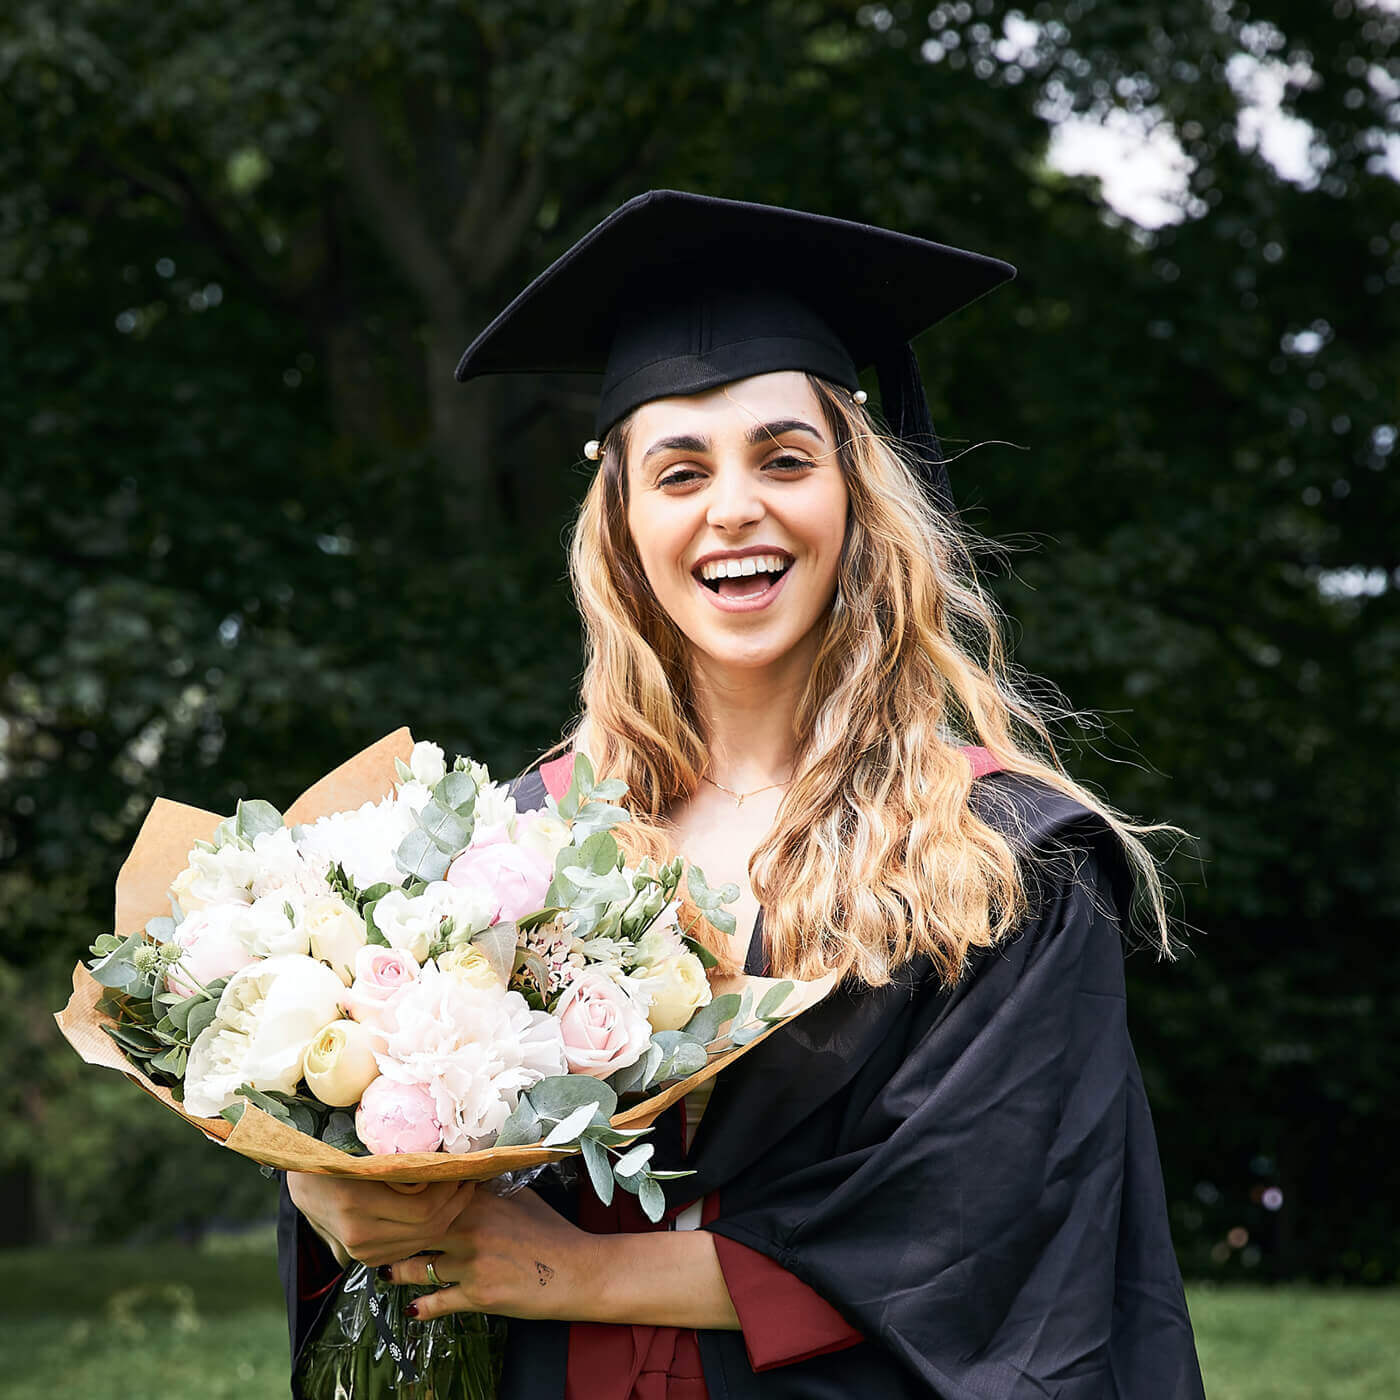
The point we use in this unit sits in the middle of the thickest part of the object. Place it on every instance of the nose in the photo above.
(735, 500)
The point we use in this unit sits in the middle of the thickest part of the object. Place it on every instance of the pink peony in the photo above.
(382, 975)
(603, 1029)
(396, 1117)
(518, 878)
(213, 949)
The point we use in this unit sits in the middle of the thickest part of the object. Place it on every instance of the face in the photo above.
(737, 508)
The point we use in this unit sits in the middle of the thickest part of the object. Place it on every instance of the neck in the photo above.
(748, 715)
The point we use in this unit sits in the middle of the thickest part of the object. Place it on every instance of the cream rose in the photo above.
(472, 966)
(337, 933)
(678, 987)
(185, 893)
(339, 1064)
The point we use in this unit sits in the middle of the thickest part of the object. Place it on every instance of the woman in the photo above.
(943, 1179)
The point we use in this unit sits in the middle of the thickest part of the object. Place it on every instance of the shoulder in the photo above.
(1062, 846)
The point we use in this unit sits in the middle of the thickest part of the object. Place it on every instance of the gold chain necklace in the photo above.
(740, 796)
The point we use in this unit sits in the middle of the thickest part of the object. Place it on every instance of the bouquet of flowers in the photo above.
(408, 980)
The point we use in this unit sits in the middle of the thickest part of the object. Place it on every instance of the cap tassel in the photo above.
(905, 408)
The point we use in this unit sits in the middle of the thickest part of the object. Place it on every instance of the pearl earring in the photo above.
(860, 396)
(592, 449)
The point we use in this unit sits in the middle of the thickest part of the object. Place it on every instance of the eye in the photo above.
(683, 476)
(788, 463)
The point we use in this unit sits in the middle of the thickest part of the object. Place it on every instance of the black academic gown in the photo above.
(969, 1176)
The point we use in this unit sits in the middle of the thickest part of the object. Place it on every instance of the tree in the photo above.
(252, 523)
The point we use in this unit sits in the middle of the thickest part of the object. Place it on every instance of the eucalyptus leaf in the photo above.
(705, 1024)
(562, 1094)
(458, 792)
(609, 790)
(568, 1129)
(418, 856)
(255, 817)
(595, 1158)
(599, 817)
(171, 1061)
(233, 1112)
(402, 771)
(630, 1163)
(652, 1197)
(160, 930)
(523, 1128)
(449, 831)
(266, 1102)
(200, 1019)
(581, 783)
(339, 1132)
(773, 999)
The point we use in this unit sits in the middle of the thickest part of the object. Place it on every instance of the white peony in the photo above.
(474, 1049)
(428, 764)
(283, 866)
(269, 1012)
(363, 841)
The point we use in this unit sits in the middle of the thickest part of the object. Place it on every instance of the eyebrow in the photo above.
(758, 434)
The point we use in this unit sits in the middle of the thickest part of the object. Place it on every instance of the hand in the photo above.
(509, 1255)
(377, 1222)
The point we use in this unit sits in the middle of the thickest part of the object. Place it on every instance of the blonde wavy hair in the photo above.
(876, 855)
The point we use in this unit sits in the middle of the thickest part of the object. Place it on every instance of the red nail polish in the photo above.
(412, 1310)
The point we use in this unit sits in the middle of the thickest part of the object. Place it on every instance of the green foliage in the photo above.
(251, 524)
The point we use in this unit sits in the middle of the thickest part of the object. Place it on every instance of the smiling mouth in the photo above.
(751, 584)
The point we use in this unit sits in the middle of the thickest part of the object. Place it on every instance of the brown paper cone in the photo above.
(157, 856)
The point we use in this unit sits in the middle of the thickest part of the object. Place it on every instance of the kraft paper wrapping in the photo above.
(159, 853)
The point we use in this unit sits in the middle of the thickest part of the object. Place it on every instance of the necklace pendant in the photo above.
(739, 802)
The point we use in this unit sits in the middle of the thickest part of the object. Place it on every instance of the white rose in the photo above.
(428, 764)
(337, 933)
(272, 926)
(339, 1063)
(269, 1012)
(542, 831)
(679, 988)
(409, 924)
(494, 814)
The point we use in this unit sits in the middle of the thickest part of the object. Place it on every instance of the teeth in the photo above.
(740, 568)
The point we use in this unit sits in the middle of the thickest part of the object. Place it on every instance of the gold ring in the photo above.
(433, 1277)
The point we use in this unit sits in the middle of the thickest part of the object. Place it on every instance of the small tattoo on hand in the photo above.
(545, 1273)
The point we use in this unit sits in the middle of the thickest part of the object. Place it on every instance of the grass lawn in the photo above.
(175, 1323)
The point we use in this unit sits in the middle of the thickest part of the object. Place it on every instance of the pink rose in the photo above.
(212, 947)
(381, 977)
(398, 1118)
(517, 877)
(603, 1029)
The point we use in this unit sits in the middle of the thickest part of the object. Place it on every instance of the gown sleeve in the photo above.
(994, 1216)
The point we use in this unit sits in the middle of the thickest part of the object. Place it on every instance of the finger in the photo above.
(446, 1300)
(449, 1269)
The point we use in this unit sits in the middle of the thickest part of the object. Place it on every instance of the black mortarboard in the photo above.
(677, 293)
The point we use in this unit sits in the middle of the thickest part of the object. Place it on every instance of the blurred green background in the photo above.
(249, 523)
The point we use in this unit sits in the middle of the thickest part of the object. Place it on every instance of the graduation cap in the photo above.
(677, 293)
